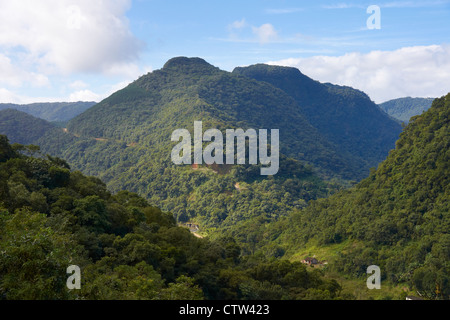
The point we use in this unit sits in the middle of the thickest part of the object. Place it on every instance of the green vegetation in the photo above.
(51, 218)
(51, 111)
(404, 108)
(125, 141)
(256, 229)
(345, 116)
(22, 128)
(397, 218)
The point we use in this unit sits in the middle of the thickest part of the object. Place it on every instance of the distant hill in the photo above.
(405, 108)
(398, 218)
(345, 116)
(23, 128)
(20, 127)
(51, 111)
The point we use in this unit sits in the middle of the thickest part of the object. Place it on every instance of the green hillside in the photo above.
(397, 218)
(345, 116)
(23, 128)
(188, 89)
(123, 227)
(52, 218)
(125, 141)
(404, 108)
(51, 111)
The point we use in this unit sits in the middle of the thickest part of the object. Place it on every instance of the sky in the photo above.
(84, 50)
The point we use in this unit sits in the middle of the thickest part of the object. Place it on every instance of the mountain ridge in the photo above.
(403, 109)
(125, 141)
(51, 111)
(397, 218)
(345, 116)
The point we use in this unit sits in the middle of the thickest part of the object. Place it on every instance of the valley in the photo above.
(352, 187)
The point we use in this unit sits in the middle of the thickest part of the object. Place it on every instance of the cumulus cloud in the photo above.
(7, 95)
(265, 33)
(420, 71)
(63, 36)
(78, 84)
(80, 91)
(84, 95)
(238, 24)
(13, 76)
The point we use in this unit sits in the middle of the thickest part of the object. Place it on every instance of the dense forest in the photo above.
(51, 111)
(52, 217)
(398, 218)
(345, 116)
(116, 205)
(125, 141)
(403, 109)
(23, 128)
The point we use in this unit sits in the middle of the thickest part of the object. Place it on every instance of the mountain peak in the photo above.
(188, 64)
(269, 69)
(280, 76)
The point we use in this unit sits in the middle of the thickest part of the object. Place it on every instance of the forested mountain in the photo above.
(20, 127)
(398, 218)
(51, 111)
(128, 242)
(405, 108)
(23, 128)
(188, 89)
(52, 218)
(345, 116)
(125, 141)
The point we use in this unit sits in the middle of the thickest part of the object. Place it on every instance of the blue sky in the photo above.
(64, 50)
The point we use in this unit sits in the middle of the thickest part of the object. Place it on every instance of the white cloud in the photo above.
(55, 41)
(239, 32)
(238, 24)
(7, 96)
(78, 84)
(84, 95)
(265, 33)
(62, 37)
(421, 71)
(13, 76)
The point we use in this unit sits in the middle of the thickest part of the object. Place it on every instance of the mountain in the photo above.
(23, 128)
(345, 116)
(123, 248)
(189, 89)
(51, 111)
(398, 218)
(126, 141)
(404, 108)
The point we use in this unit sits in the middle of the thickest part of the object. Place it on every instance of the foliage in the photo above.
(23, 128)
(404, 108)
(51, 111)
(125, 141)
(397, 218)
(51, 217)
(345, 116)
